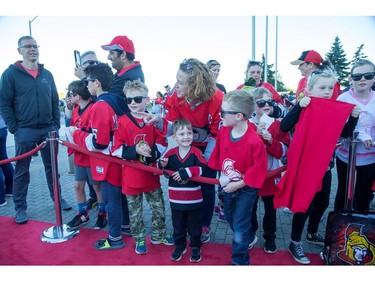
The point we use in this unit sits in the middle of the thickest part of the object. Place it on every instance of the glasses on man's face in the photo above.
(30, 46)
(252, 63)
(137, 99)
(188, 67)
(223, 112)
(358, 76)
(91, 62)
(86, 80)
(262, 103)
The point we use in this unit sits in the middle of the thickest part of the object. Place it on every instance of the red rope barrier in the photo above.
(27, 154)
(149, 168)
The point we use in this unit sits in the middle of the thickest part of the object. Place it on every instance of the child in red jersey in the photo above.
(276, 143)
(82, 171)
(241, 157)
(97, 137)
(136, 141)
(185, 196)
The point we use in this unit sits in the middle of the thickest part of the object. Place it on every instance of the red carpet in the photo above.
(21, 245)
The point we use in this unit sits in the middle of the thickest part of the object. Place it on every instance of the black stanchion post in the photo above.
(58, 233)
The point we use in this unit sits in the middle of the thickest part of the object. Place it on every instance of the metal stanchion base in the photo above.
(56, 234)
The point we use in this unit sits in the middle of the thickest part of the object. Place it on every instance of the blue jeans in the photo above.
(238, 208)
(25, 140)
(112, 200)
(6, 171)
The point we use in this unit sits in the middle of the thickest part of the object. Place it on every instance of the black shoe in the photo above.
(195, 255)
(270, 246)
(101, 221)
(295, 248)
(177, 254)
(315, 239)
(77, 221)
(91, 203)
(125, 229)
(64, 205)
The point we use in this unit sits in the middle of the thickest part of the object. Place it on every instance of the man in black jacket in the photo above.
(29, 104)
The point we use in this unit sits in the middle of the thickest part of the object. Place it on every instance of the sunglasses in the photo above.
(358, 76)
(223, 112)
(86, 80)
(252, 63)
(137, 99)
(187, 65)
(262, 103)
(30, 46)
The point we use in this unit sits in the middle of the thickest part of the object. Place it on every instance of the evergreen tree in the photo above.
(337, 57)
(271, 76)
(358, 55)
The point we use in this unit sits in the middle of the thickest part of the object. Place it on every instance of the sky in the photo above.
(163, 41)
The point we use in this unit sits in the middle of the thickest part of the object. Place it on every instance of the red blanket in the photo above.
(310, 151)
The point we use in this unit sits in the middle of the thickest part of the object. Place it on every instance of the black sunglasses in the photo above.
(86, 80)
(358, 76)
(252, 63)
(223, 112)
(262, 103)
(187, 65)
(137, 99)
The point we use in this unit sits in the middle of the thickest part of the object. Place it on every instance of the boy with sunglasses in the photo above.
(362, 77)
(98, 137)
(241, 157)
(276, 143)
(141, 143)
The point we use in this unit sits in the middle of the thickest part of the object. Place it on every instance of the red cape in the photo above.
(310, 151)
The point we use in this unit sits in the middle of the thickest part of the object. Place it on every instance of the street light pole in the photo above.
(30, 22)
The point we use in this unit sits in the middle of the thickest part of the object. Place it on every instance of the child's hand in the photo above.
(149, 118)
(355, 112)
(304, 102)
(261, 128)
(162, 162)
(267, 136)
(143, 149)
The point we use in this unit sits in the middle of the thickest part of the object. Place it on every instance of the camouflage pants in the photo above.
(156, 201)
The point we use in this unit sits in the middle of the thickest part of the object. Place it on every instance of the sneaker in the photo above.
(140, 247)
(295, 248)
(101, 222)
(108, 244)
(64, 205)
(315, 239)
(167, 240)
(77, 221)
(216, 209)
(221, 217)
(270, 246)
(4, 203)
(125, 229)
(252, 243)
(205, 236)
(177, 255)
(91, 203)
(21, 217)
(195, 255)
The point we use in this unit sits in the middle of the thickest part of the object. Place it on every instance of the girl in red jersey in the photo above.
(241, 157)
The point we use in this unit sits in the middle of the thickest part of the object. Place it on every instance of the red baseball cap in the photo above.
(308, 56)
(120, 43)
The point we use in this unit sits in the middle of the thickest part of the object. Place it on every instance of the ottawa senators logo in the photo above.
(358, 250)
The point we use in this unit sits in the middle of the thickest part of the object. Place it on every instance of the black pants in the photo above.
(364, 181)
(269, 219)
(191, 221)
(316, 210)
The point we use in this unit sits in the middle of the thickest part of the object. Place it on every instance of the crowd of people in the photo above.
(237, 136)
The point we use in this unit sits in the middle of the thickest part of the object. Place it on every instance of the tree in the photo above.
(358, 55)
(271, 76)
(337, 57)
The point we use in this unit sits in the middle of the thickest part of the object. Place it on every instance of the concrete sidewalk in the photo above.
(41, 207)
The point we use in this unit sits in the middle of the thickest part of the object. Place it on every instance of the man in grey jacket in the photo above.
(29, 104)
